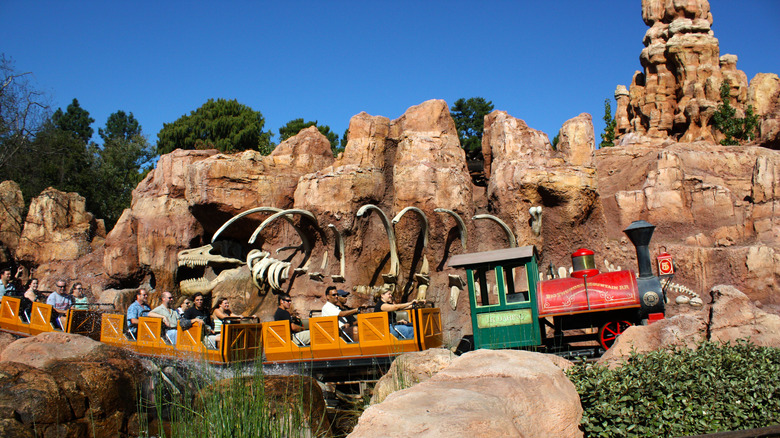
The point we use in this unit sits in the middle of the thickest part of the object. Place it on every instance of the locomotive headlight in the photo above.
(651, 298)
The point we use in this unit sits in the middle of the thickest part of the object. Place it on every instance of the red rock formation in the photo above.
(678, 92)
(11, 209)
(715, 208)
(58, 228)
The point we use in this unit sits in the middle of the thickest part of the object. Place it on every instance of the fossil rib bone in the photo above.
(509, 235)
(392, 276)
(458, 221)
(339, 241)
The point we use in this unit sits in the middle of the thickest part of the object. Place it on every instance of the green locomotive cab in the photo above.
(502, 293)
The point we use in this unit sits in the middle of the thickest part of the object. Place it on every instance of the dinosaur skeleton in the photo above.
(509, 235)
(267, 269)
(687, 296)
(219, 254)
(392, 276)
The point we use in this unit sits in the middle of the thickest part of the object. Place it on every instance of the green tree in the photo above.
(295, 126)
(344, 139)
(54, 158)
(608, 136)
(469, 116)
(223, 124)
(75, 120)
(725, 120)
(23, 111)
(120, 125)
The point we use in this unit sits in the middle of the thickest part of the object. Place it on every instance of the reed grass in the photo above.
(230, 402)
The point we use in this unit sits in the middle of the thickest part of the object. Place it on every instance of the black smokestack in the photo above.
(640, 233)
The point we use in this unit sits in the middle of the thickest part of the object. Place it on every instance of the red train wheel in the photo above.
(610, 331)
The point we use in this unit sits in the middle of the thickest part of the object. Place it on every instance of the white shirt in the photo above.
(330, 309)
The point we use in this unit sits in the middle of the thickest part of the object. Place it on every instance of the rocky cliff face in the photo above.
(678, 92)
(715, 207)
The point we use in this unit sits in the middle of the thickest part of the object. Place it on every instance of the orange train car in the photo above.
(241, 340)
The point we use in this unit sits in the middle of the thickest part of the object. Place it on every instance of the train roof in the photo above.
(498, 255)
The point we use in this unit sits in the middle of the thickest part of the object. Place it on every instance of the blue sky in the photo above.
(542, 61)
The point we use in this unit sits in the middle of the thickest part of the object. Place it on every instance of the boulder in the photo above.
(410, 369)
(58, 384)
(50, 348)
(730, 316)
(734, 316)
(483, 393)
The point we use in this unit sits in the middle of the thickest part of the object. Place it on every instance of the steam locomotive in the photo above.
(512, 308)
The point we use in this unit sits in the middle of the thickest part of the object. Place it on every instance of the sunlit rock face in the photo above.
(524, 171)
(679, 90)
(714, 207)
(483, 393)
(58, 227)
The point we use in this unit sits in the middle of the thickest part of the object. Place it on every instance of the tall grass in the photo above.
(234, 402)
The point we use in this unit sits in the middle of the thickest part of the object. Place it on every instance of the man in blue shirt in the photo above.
(136, 310)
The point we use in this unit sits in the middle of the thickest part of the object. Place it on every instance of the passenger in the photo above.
(30, 296)
(299, 335)
(80, 301)
(60, 302)
(220, 311)
(7, 286)
(349, 316)
(169, 316)
(331, 308)
(186, 304)
(199, 311)
(400, 329)
(136, 310)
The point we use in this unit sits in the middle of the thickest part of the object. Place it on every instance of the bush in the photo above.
(681, 392)
(726, 121)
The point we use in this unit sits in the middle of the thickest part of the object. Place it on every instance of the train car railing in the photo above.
(190, 342)
(376, 339)
(241, 342)
(327, 340)
(40, 318)
(429, 327)
(9, 316)
(84, 322)
(149, 338)
(325, 337)
(279, 346)
(112, 330)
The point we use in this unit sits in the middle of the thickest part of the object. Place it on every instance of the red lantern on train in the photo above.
(665, 263)
(583, 263)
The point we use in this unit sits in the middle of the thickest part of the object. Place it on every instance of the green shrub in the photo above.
(681, 392)
(725, 120)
